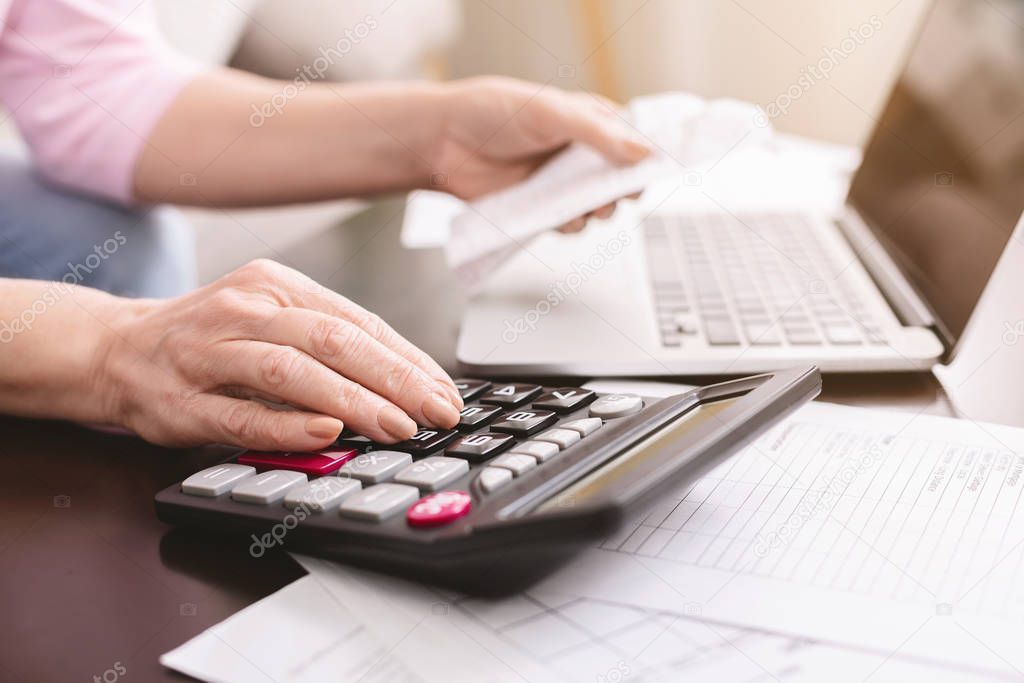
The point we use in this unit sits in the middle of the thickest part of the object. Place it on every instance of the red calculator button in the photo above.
(439, 508)
(314, 464)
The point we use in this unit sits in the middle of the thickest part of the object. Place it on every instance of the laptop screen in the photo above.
(942, 181)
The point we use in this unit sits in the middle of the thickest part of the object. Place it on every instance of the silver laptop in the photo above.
(886, 285)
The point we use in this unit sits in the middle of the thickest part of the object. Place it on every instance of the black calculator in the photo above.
(528, 477)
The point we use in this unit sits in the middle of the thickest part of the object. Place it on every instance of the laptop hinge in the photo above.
(908, 305)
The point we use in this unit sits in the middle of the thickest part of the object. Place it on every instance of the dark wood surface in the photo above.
(89, 578)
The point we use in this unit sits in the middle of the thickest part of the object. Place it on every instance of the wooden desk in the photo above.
(89, 578)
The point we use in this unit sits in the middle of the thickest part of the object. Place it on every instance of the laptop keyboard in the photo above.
(762, 280)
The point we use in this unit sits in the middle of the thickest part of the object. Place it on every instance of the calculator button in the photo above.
(425, 441)
(516, 463)
(432, 473)
(563, 438)
(564, 400)
(216, 480)
(439, 508)
(479, 447)
(474, 417)
(471, 388)
(379, 502)
(314, 464)
(585, 426)
(268, 487)
(375, 466)
(321, 494)
(353, 440)
(493, 478)
(540, 450)
(525, 422)
(616, 405)
(510, 395)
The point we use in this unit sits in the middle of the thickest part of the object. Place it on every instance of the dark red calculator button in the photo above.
(313, 464)
(439, 508)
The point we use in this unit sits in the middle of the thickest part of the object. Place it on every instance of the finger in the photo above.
(604, 212)
(575, 122)
(295, 378)
(315, 296)
(351, 352)
(249, 424)
(573, 226)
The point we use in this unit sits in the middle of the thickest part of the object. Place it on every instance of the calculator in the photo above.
(529, 476)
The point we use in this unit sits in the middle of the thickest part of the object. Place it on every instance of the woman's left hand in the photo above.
(498, 131)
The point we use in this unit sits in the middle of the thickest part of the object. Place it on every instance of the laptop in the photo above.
(887, 283)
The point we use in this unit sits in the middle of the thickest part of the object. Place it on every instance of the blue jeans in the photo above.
(51, 234)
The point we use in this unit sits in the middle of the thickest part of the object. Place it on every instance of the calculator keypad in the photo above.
(510, 430)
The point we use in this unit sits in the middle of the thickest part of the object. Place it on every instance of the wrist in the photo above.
(115, 357)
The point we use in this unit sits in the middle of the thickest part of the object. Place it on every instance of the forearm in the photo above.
(52, 337)
(232, 139)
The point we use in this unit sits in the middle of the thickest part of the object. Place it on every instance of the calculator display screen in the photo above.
(597, 483)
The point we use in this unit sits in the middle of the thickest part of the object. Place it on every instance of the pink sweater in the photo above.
(86, 81)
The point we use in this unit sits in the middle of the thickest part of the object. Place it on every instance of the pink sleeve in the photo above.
(86, 81)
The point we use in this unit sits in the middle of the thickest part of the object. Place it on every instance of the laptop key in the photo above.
(720, 332)
(842, 334)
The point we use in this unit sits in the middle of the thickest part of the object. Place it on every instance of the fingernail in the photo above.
(453, 393)
(396, 423)
(440, 411)
(324, 427)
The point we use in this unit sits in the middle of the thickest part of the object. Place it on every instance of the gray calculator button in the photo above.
(585, 427)
(268, 487)
(379, 502)
(493, 478)
(216, 480)
(375, 466)
(616, 405)
(321, 494)
(563, 438)
(517, 463)
(432, 473)
(540, 450)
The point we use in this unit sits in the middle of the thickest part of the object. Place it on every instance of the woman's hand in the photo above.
(497, 131)
(197, 369)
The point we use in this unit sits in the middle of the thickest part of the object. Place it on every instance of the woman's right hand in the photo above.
(199, 368)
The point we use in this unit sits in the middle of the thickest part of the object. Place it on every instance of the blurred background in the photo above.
(826, 65)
